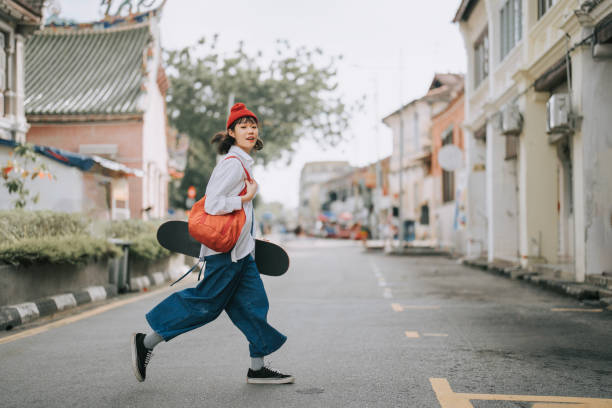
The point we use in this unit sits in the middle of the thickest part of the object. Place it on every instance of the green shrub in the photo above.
(74, 249)
(145, 247)
(16, 225)
(142, 236)
(30, 237)
(128, 229)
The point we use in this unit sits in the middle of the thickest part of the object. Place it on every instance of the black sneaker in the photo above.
(266, 376)
(140, 356)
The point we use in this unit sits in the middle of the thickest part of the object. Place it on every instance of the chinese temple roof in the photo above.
(87, 69)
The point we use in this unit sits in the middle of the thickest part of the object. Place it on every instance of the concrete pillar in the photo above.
(502, 206)
(592, 163)
(21, 126)
(538, 195)
(476, 212)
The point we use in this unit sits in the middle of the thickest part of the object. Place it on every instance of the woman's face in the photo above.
(246, 135)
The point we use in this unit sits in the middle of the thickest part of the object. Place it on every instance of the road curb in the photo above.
(12, 316)
(15, 315)
(577, 290)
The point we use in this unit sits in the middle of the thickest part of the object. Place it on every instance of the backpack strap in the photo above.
(245, 170)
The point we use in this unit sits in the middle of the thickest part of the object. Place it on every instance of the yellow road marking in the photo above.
(400, 308)
(450, 399)
(435, 334)
(412, 334)
(397, 307)
(570, 309)
(84, 315)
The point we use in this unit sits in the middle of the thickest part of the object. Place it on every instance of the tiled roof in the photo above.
(33, 5)
(85, 71)
(464, 11)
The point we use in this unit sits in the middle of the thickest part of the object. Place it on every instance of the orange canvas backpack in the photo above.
(218, 232)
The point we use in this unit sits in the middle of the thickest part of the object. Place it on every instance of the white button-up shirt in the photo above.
(226, 182)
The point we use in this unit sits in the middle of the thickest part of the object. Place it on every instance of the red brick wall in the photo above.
(452, 116)
(126, 135)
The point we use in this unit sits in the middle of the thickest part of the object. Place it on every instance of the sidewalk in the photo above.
(411, 248)
(597, 289)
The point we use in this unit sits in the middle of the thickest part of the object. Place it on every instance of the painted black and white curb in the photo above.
(15, 315)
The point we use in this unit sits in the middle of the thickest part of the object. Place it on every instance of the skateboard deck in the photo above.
(270, 258)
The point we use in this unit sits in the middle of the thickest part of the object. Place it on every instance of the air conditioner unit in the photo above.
(558, 114)
(512, 120)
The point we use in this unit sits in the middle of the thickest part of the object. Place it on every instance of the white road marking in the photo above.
(381, 280)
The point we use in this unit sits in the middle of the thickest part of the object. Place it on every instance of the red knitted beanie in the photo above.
(238, 111)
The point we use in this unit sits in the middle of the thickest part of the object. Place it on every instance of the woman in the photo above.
(231, 280)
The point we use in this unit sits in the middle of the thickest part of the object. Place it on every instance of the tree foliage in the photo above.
(293, 95)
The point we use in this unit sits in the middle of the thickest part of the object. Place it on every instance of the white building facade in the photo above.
(410, 163)
(547, 171)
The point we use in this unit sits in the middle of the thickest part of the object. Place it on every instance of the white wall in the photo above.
(64, 194)
(155, 151)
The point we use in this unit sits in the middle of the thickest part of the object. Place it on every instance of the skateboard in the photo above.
(270, 258)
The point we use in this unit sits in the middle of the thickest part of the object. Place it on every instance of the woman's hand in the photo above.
(251, 187)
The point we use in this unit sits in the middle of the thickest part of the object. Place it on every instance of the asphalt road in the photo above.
(364, 329)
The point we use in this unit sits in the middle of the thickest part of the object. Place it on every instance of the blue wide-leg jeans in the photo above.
(235, 287)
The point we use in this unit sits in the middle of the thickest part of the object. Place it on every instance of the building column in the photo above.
(21, 126)
(538, 195)
(476, 223)
(592, 162)
(502, 206)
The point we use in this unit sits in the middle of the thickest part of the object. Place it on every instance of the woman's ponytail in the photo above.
(224, 141)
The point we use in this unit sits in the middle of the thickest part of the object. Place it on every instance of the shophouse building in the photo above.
(537, 108)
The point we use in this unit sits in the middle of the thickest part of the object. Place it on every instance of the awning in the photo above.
(553, 77)
(94, 164)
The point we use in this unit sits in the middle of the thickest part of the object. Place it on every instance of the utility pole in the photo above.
(230, 103)
(379, 188)
(401, 155)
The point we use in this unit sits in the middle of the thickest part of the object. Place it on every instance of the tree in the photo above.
(22, 167)
(293, 96)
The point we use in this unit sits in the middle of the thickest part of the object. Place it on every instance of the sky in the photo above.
(391, 50)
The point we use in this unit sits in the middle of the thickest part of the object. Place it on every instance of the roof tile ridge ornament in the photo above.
(129, 5)
(108, 23)
(92, 27)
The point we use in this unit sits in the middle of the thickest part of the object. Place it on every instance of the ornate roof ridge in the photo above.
(90, 28)
(116, 23)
